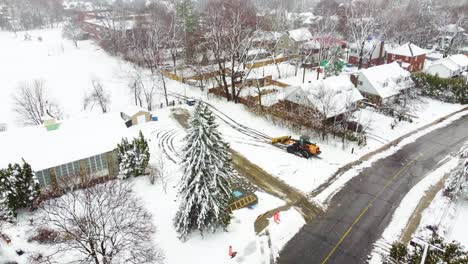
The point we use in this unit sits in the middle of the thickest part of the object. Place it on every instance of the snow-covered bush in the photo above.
(204, 190)
(457, 184)
(452, 252)
(6, 214)
(452, 90)
(133, 157)
(19, 186)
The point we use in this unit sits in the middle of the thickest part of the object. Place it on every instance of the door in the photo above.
(141, 119)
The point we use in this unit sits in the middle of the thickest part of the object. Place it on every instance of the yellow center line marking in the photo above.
(369, 206)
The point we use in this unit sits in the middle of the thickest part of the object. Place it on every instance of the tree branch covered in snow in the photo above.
(97, 96)
(457, 184)
(32, 103)
(204, 190)
(102, 224)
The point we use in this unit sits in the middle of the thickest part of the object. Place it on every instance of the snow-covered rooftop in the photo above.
(449, 64)
(408, 50)
(460, 60)
(74, 140)
(300, 34)
(387, 80)
(332, 95)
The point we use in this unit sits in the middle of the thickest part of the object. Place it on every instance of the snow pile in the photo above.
(280, 233)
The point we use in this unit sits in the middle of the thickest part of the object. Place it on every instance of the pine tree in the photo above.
(142, 154)
(6, 214)
(133, 157)
(204, 190)
(19, 186)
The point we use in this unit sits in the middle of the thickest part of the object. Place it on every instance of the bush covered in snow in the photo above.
(19, 187)
(45, 235)
(133, 157)
(453, 90)
(457, 184)
(450, 253)
(205, 189)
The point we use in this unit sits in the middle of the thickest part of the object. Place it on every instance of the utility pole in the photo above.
(426, 246)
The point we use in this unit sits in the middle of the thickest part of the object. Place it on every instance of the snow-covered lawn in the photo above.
(163, 204)
(459, 230)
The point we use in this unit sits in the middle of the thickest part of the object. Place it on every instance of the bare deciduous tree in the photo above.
(159, 172)
(97, 96)
(361, 24)
(32, 103)
(230, 28)
(102, 224)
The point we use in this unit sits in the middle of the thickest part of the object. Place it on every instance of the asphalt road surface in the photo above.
(360, 212)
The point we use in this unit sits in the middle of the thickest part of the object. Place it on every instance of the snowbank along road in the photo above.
(359, 213)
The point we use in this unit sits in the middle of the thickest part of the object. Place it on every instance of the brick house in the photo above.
(410, 57)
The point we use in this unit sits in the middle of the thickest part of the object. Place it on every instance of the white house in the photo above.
(461, 61)
(449, 67)
(383, 83)
(332, 96)
(444, 68)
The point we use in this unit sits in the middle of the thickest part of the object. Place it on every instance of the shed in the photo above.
(136, 116)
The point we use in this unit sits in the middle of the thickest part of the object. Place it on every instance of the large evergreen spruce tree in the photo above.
(204, 189)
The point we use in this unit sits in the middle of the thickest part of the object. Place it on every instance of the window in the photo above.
(40, 178)
(87, 166)
(406, 78)
(71, 172)
(58, 172)
(104, 161)
(398, 81)
(76, 167)
(93, 164)
(360, 82)
(385, 84)
(64, 170)
(98, 162)
(46, 174)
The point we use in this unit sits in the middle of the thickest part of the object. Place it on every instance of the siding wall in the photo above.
(98, 166)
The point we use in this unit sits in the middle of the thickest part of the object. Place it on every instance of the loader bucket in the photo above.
(280, 139)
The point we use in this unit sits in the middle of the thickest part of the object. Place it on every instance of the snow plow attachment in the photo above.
(280, 139)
